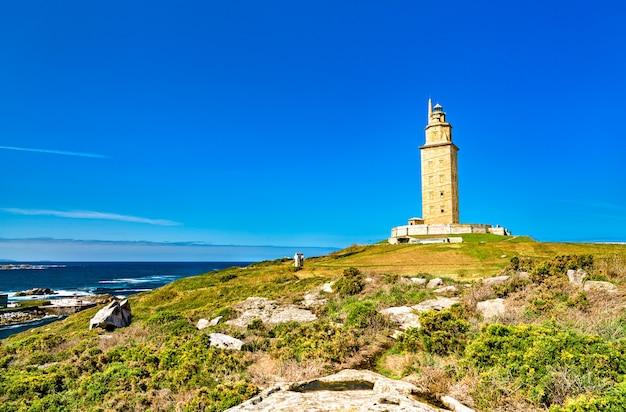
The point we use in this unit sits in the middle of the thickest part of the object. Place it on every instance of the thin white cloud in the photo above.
(61, 152)
(88, 214)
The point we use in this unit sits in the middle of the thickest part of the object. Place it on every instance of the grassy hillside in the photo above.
(162, 362)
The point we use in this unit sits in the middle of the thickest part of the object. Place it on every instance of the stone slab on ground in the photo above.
(269, 311)
(441, 303)
(491, 308)
(348, 390)
(434, 283)
(496, 280)
(599, 286)
(222, 341)
(403, 316)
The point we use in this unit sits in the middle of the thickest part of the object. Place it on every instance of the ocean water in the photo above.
(88, 278)
(69, 279)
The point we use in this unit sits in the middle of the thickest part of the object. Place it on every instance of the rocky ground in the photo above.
(9, 318)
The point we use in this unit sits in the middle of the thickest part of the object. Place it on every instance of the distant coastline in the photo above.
(28, 266)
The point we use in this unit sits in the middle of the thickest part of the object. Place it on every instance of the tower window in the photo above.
(440, 194)
(442, 211)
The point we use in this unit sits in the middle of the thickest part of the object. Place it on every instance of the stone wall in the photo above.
(442, 229)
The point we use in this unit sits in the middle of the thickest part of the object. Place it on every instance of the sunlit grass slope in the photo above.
(163, 363)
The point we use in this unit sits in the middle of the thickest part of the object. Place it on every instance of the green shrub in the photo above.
(227, 276)
(512, 285)
(402, 294)
(222, 397)
(256, 324)
(442, 332)
(520, 264)
(613, 399)
(350, 283)
(391, 278)
(320, 340)
(579, 300)
(226, 313)
(529, 357)
(559, 265)
(363, 314)
(163, 318)
(31, 385)
(286, 278)
(410, 341)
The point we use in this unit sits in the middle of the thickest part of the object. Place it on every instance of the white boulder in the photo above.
(114, 315)
(434, 283)
(491, 308)
(497, 280)
(599, 286)
(202, 324)
(446, 290)
(402, 316)
(576, 277)
(418, 281)
(219, 340)
(440, 303)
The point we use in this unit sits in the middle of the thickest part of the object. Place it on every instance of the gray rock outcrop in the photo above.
(440, 303)
(403, 316)
(36, 292)
(447, 290)
(348, 390)
(418, 281)
(408, 316)
(7, 318)
(205, 323)
(496, 280)
(599, 286)
(576, 277)
(114, 315)
(491, 308)
(455, 405)
(268, 311)
(434, 283)
(202, 324)
(219, 340)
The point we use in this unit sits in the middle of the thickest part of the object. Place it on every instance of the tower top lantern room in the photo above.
(440, 183)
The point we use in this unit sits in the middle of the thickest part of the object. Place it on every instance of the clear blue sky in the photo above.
(297, 123)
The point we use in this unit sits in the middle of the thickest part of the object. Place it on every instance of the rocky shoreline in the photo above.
(20, 316)
(36, 292)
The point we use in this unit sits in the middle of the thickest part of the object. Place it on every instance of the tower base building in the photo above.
(440, 187)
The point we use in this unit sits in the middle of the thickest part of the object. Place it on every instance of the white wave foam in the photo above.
(58, 294)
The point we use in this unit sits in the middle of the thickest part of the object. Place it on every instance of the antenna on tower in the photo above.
(430, 108)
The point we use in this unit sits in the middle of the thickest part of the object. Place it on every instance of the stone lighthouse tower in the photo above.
(440, 183)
